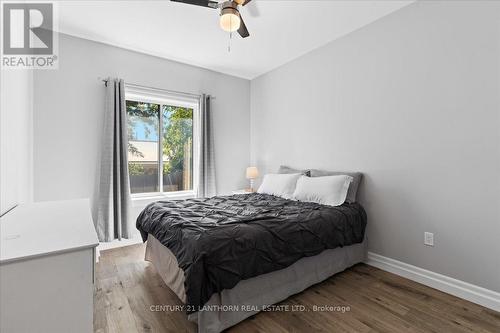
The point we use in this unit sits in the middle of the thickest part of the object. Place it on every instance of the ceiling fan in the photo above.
(230, 17)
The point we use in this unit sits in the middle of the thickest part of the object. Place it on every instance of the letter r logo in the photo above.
(27, 28)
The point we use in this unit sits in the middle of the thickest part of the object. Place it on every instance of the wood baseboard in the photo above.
(482, 296)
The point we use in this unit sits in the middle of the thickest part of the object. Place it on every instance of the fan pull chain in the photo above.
(230, 35)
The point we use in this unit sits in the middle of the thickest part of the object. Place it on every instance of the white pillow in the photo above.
(328, 190)
(281, 185)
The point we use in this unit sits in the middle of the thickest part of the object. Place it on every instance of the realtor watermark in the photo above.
(28, 33)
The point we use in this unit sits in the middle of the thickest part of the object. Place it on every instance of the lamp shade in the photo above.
(252, 172)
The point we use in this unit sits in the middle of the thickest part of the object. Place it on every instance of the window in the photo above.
(161, 142)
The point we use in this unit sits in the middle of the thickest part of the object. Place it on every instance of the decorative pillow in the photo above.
(353, 188)
(285, 169)
(281, 185)
(329, 190)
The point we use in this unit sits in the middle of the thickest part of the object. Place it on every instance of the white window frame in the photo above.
(162, 97)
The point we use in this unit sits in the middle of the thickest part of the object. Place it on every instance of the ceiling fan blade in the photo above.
(243, 31)
(203, 3)
(246, 1)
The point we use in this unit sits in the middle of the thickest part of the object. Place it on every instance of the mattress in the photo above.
(248, 297)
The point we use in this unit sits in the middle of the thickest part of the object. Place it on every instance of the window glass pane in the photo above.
(177, 148)
(143, 123)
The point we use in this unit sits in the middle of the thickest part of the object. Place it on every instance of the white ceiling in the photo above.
(279, 30)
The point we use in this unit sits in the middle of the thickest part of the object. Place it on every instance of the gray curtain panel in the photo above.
(206, 179)
(112, 202)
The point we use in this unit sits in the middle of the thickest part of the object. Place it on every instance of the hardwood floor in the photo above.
(127, 286)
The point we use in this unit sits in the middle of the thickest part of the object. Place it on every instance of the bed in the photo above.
(229, 257)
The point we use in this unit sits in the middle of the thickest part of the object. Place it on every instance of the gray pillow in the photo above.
(285, 169)
(353, 187)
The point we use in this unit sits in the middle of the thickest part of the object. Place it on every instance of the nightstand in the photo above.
(242, 192)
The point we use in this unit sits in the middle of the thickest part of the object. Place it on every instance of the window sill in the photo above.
(156, 197)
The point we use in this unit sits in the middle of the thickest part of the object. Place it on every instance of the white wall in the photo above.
(69, 105)
(411, 100)
(15, 137)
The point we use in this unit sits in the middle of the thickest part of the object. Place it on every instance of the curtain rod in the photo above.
(159, 89)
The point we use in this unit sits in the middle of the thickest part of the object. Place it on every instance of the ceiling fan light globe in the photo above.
(230, 21)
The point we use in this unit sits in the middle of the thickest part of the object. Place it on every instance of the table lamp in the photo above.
(252, 173)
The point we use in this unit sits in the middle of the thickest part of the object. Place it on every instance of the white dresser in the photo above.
(47, 257)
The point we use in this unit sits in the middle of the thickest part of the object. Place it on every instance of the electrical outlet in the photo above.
(429, 238)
